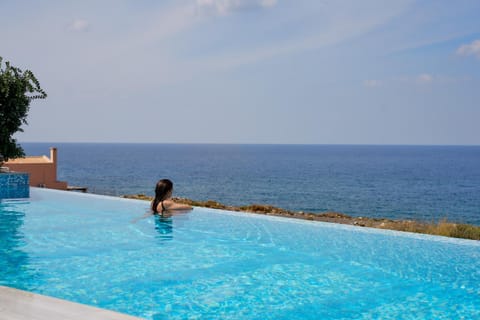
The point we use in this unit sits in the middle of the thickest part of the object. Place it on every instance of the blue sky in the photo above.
(251, 71)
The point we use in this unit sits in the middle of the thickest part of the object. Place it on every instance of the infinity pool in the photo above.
(216, 264)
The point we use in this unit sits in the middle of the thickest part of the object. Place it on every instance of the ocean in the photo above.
(427, 183)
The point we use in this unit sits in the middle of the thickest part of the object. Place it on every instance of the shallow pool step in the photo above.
(23, 305)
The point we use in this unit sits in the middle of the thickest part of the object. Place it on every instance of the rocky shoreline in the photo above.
(441, 228)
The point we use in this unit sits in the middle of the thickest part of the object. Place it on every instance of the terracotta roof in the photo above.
(29, 160)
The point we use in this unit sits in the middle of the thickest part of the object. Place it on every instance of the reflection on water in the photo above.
(14, 262)
(164, 227)
(164, 223)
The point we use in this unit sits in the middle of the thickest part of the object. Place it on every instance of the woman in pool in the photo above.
(163, 202)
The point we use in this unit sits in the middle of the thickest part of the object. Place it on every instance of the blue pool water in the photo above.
(222, 265)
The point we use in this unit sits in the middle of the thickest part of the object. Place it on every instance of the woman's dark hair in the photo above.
(162, 190)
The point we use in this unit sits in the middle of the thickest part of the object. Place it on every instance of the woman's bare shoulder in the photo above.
(172, 205)
(168, 203)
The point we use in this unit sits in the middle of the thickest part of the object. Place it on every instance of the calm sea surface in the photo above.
(421, 182)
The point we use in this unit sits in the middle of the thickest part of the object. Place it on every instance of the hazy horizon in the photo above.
(260, 144)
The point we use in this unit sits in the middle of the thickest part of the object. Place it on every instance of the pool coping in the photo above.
(17, 304)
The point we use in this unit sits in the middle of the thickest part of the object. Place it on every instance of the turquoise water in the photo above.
(221, 265)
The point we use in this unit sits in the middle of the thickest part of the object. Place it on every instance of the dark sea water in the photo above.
(400, 182)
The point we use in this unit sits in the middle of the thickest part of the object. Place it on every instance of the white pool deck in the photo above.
(22, 305)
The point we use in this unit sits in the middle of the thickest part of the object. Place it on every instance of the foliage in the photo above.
(17, 89)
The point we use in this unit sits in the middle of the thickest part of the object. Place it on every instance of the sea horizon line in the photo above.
(252, 144)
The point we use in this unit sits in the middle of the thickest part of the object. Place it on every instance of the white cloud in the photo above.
(268, 3)
(225, 7)
(424, 78)
(169, 22)
(472, 49)
(335, 22)
(372, 83)
(79, 25)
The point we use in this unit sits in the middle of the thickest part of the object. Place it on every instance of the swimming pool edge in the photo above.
(286, 219)
(16, 304)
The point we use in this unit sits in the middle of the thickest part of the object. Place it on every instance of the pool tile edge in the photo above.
(17, 304)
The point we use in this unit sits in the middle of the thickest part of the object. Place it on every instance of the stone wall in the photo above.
(14, 185)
